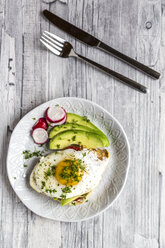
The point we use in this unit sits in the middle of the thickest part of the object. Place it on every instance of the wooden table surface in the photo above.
(30, 75)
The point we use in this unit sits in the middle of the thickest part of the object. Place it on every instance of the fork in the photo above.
(64, 49)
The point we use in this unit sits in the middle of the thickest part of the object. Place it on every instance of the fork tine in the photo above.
(53, 50)
(53, 40)
(52, 44)
(55, 37)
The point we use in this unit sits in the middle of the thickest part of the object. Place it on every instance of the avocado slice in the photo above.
(69, 200)
(83, 121)
(80, 137)
(68, 126)
(80, 120)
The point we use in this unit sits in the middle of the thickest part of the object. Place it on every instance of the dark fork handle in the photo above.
(117, 75)
(154, 74)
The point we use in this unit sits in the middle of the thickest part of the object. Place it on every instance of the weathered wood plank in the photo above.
(162, 135)
(35, 91)
(14, 214)
(147, 131)
(120, 217)
(43, 232)
(6, 203)
(2, 9)
(137, 218)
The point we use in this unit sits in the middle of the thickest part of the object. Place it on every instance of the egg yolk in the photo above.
(69, 172)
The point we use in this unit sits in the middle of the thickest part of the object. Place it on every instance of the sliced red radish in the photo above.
(64, 111)
(55, 114)
(40, 136)
(41, 123)
(57, 123)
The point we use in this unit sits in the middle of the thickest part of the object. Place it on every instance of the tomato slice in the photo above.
(76, 147)
(78, 199)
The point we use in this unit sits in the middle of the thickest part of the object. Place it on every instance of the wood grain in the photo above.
(162, 134)
(31, 75)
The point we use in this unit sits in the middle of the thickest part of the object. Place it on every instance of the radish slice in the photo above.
(57, 123)
(40, 136)
(55, 114)
(41, 123)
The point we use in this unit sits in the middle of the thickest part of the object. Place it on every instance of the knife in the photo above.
(94, 42)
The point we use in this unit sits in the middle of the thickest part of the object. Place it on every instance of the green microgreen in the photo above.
(50, 172)
(84, 154)
(85, 119)
(28, 154)
(74, 138)
(63, 196)
(43, 184)
(66, 190)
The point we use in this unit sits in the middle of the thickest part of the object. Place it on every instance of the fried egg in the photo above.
(69, 173)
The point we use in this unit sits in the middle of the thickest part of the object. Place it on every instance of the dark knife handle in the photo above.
(130, 61)
(131, 83)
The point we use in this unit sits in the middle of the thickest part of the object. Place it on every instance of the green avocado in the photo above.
(68, 126)
(79, 137)
(69, 200)
(80, 120)
(84, 121)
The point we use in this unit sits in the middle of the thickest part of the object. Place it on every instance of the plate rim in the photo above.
(128, 163)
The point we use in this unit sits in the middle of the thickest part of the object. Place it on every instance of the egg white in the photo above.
(94, 168)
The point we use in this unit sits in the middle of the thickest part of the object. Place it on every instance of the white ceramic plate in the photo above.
(113, 179)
